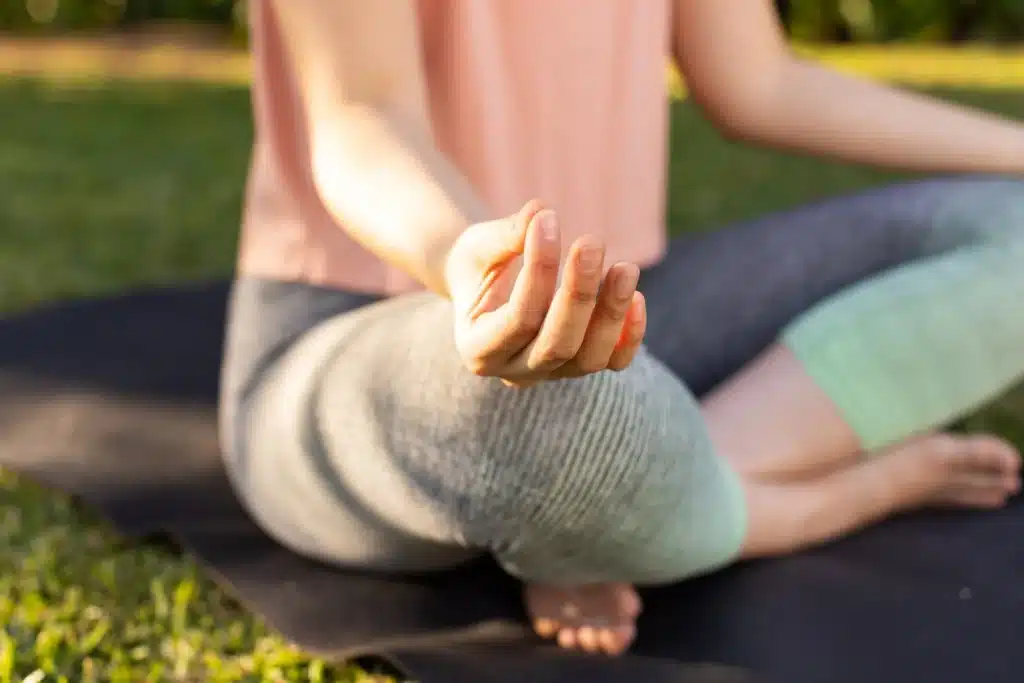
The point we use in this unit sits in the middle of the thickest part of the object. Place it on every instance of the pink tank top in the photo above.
(562, 100)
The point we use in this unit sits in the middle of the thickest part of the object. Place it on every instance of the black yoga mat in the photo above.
(113, 401)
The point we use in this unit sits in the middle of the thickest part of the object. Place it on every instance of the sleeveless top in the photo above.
(562, 100)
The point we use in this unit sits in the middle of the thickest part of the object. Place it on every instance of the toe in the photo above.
(628, 602)
(615, 641)
(545, 628)
(567, 638)
(588, 638)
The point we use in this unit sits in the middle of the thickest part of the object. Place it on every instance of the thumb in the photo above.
(483, 249)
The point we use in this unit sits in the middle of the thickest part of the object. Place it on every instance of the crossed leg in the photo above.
(825, 437)
(796, 373)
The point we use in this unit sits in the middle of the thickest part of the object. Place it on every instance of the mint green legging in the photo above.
(367, 443)
(935, 338)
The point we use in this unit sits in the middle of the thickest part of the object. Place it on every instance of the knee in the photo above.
(976, 212)
(610, 477)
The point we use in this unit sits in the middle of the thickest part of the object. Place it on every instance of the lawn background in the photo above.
(112, 182)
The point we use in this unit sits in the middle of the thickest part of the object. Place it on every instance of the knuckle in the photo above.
(637, 334)
(589, 366)
(621, 361)
(583, 295)
(557, 354)
(528, 321)
(618, 365)
(479, 367)
(547, 266)
(632, 336)
(615, 312)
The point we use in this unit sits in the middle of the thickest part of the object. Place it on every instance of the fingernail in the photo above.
(590, 259)
(548, 225)
(625, 284)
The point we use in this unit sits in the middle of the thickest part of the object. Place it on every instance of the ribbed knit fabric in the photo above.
(591, 480)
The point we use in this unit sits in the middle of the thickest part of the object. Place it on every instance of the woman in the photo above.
(438, 344)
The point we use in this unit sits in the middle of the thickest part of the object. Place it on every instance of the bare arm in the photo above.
(740, 70)
(381, 175)
(361, 81)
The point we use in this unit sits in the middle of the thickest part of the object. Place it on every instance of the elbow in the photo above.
(742, 116)
(741, 107)
(734, 125)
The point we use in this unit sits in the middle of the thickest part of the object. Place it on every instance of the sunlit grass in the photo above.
(94, 60)
(89, 60)
(974, 68)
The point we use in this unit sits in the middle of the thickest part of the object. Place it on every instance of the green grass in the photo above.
(109, 186)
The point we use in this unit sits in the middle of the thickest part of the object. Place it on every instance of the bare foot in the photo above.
(951, 470)
(595, 618)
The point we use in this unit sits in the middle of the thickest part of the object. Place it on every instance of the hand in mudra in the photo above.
(516, 321)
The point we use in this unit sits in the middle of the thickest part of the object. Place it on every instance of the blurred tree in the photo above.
(785, 8)
(215, 11)
(935, 21)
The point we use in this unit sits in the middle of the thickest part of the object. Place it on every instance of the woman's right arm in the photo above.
(378, 171)
(376, 166)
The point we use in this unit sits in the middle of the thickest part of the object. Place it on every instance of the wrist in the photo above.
(440, 267)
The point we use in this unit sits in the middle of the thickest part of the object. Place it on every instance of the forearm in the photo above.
(822, 112)
(392, 190)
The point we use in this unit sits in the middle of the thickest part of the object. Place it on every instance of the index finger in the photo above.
(497, 336)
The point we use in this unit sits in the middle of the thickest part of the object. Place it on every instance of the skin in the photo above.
(807, 481)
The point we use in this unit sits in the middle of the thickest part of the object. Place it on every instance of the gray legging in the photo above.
(354, 434)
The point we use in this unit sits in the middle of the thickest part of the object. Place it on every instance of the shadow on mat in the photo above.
(113, 400)
(112, 344)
